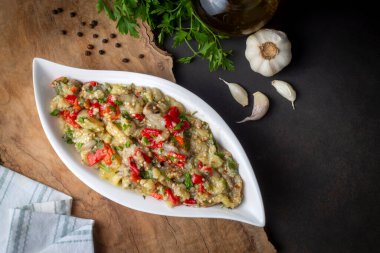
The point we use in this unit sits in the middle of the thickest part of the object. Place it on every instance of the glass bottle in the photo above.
(235, 17)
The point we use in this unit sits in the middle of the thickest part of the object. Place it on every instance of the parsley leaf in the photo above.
(188, 181)
(175, 19)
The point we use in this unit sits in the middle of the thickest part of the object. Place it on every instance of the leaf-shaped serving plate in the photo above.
(251, 209)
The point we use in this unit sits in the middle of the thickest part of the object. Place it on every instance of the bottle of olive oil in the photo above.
(235, 17)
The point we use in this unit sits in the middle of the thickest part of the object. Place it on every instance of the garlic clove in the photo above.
(285, 90)
(260, 107)
(238, 92)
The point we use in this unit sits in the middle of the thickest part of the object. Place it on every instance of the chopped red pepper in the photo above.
(70, 118)
(71, 99)
(109, 152)
(150, 132)
(180, 140)
(183, 126)
(196, 179)
(209, 170)
(159, 157)
(135, 172)
(201, 188)
(172, 198)
(94, 158)
(138, 116)
(171, 117)
(190, 202)
(156, 195)
(177, 156)
(156, 144)
(93, 105)
(200, 165)
(144, 155)
(111, 100)
(173, 113)
(92, 83)
(74, 89)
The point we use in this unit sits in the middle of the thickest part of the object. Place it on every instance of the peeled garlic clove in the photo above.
(238, 92)
(268, 51)
(260, 107)
(285, 90)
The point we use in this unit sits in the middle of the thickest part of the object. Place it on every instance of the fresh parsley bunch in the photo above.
(170, 18)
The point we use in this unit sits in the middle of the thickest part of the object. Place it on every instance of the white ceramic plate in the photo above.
(251, 209)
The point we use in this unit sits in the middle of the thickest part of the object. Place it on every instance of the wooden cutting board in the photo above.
(29, 29)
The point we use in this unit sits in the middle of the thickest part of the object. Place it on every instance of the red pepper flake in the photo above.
(201, 188)
(200, 165)
(209, 170)
(92, 83)
(138, 116)
(156, 195)
(144, 155)
(172, 198)
(93, 106)
(135, 172)
(190, 202)
(150, 132)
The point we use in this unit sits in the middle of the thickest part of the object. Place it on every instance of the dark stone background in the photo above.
(318, 167)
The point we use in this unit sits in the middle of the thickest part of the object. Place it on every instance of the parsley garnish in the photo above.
(232, 164)
(81, 119)
(145, 140)
(104, 167)
(68, 136)
(55, 112)
(102, 100)
(118, 102)
(188, 181)
(175, 19)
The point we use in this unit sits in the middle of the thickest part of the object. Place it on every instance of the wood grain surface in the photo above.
(29, 29)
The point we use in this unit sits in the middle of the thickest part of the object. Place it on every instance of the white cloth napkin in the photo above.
(36, 218)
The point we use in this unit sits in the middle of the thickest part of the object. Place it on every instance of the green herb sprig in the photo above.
(170, 18)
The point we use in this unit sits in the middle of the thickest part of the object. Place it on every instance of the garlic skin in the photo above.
(268, 51)
(260, 107)
(238, 92)
(285, 90)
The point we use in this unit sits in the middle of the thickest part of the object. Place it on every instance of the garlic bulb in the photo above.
(260, 107)
(268, 51)
(285, 90)
(238, 92)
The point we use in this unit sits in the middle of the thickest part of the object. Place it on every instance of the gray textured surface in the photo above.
(318, 167)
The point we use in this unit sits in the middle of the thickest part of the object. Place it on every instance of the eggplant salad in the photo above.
(140, 139)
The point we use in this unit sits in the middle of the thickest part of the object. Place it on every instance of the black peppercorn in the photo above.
(89, 46)
(73, 14)
(87, 53)
(125, 60)
(83, 23)
(54, 12)
(105, 40)
(102, 51)
(95, 35)
(60, 10)
(112, 35)
(117, 45)
(141, 56)
(64, 32)
(80, 34)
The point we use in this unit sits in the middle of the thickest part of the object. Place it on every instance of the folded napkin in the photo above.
(36, 218)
